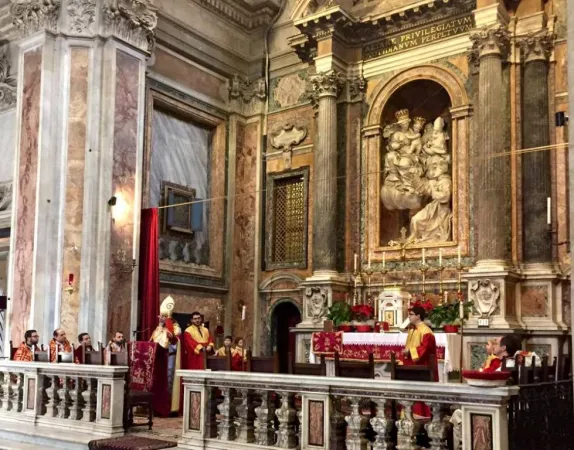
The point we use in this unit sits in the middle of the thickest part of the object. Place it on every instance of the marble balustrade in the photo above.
(72, 398)
(230, 410)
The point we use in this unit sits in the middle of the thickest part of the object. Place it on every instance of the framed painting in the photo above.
(181, 215)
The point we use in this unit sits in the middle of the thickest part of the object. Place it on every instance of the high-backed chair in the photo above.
(413, 373)
(42, 355)
(217, 363)
(262, 364)
(132, 398)
(355, 369)
(94, 357)
(319, 370)
(13, 351)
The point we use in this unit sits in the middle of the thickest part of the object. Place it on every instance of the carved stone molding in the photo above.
(316, 303)
(357, 88)
(241, 13)
(5, 196)
(490, 42)
(133, 21)
(30, 16)
(485, 296)
(537, 47)
(328, 84)
(288, 136)
(7, 85)
(240, 88)
(81, 15)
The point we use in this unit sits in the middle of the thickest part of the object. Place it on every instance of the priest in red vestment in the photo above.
(420, 345)
(59, 344)
(196, 340)
(27, 348)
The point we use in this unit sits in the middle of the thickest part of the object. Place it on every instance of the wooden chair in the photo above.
(261, 364)
(119, 358)
(413, 373)
(217, 363)
(42, 355)
(13, 351)
(355, 369)
(94, 357)
(319, 370)
(133, 398)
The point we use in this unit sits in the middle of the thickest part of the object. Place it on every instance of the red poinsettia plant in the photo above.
(362, 313)
(420, 300)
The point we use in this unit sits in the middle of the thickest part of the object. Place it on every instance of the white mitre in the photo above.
(167, 306)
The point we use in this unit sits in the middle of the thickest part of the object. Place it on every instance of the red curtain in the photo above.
(149, 273)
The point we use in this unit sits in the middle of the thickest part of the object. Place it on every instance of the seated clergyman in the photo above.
(27, 348)
(85, 340)
(117, 344)
(59, 344)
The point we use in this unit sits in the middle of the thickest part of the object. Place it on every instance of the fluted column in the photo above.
(492, 170)
(327, 87)
(536, 184)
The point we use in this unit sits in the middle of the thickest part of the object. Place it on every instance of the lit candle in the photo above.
(461, 310)
(70, 279)
(369, 260)
(440, 257)
(548, 210)
(424, 256)
(384, 262)
(445, 299)
(243, 312)
(459, 259)
(355, 264)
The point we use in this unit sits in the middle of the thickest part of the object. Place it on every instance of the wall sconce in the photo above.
(69, 289)
(122, 263)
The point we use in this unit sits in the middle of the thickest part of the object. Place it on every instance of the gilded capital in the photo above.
(537, 47)
(490, 42)
(328, 84)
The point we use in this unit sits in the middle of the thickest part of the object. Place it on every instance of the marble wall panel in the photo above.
(218, 182)
(477, 355)
(195, 411)
(7, 144)
(26, 201)
(31, 394)
(352, 192)
(123, 187)
(188, 300)
(243, 260)
(303, 116)
(566, 304)
(181, 154)
(73, 213)
(190, 75)
(481, 432)
(316, 423)
(534, 300)
(561, 74)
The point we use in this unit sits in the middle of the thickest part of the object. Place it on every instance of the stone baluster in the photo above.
(52, 394)
(264, 432)
(437, 429)
(456, 421)
(356, 424)
(327, 87)
(382, 423)
(76, 399)
(16, 392)
(408, 428)
(227, 413)
(287, 416)
(299, 422)
(245, 417)
(536, 168)
(338, 425)
(5, 391)
(64, 395)
(490, 46)
(89, 396)
(211, 414)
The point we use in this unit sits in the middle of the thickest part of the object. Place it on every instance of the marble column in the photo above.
(492, 171)
(327, 87)
(80, 119)
(536, 182)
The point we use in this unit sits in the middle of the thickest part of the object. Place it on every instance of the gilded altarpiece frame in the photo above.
(198, 113)
(272, 178)
(373, 141)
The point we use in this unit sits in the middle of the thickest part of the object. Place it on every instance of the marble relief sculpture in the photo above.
(5, 196)
(416, 175)
(317, 303)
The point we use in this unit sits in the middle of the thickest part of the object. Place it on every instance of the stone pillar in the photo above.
(536, 183)
(81, 91)
(327, 87)
(492, 171)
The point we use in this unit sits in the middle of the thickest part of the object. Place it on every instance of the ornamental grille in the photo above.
(289, 220)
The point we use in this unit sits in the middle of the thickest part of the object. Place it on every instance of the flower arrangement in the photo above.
(339, 313)
(362, 313)
(449, 314)
(420, 300)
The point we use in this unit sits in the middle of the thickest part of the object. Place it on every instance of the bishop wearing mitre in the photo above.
(167, 335)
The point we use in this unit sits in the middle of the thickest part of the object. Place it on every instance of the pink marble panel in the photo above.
(25, 208)
(195, 411)
(73, 213)
(123, 185)
(481, 432)
(31, 394)
(534, 301)
(106, 401)
(217, 205)
(316, 423)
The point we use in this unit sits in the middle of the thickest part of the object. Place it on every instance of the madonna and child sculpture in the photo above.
(416, 175)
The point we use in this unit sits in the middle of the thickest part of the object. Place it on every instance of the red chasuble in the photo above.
(24, 353)
(421, 344)
(492, 364)
(66, 347)
(195, 339)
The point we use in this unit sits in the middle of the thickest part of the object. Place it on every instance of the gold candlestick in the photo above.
(369, 272)
(355, 293)
(423, 269)
(440, 269)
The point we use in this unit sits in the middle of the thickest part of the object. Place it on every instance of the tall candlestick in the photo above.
(384, 260)
(440, 257)
(424, 254)
(355, 264)
(459, 259)
(549, 210)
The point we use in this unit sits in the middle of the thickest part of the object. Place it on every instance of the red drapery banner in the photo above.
(149, 273)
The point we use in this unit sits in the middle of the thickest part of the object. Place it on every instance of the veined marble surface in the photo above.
(7, 144)
(181, 154)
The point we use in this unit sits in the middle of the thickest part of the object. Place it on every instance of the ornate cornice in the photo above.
(328, 84)
(131, 21)
(537, 47)
(247, 97)
(489, 42)
(357, 88)
(7, 85)
(246, 16)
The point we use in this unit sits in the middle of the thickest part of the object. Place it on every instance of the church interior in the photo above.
(301, 174)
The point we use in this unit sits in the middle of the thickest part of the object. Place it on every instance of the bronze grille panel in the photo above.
(289, 220)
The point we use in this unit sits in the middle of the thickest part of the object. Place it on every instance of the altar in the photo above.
(358, 346)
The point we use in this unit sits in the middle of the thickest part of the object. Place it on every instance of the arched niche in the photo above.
(406, 90)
